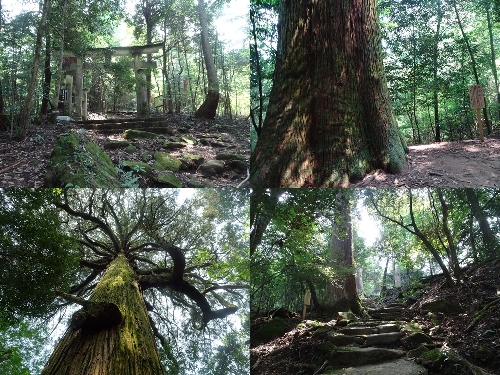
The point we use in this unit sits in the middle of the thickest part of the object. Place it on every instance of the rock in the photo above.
(189, 140)
(383, 338)
(212, 167)
(111, 145)
(196, 159)
(417, 352)
(238, 164)
(343, 340)
(169, 180)
(195, 184)
(444, 306)
(483, 354)
(130, 149)
(415, 339)
(387, 328)
(346, 356)
(173, 145)
(166, 161)
(136, 134)
(138, 167)
(77, 161)
(204, 141)
(229, 156)
(358, 331)
(272, 329)
(399, 367)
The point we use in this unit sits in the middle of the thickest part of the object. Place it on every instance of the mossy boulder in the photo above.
(169, 180)
(130, 149)
(165, 161)
(111, 145)
(192, 158)
(192, 183)
(274, 328)
(212, 167)
(174, 145)
(445, 306)
(77, 161)
(483, 354)
(189, 139)
(138, 134)
(324, 347)
(415, 339)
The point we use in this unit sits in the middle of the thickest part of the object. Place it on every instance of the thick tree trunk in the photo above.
(330, 118)
(341, 293)
(24, 117)
(493, 55)
(126, 348)
(208, 108)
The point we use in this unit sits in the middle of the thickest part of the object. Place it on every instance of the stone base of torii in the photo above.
(74, 78)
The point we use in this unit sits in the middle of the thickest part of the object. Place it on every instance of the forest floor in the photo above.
(298, 351)
(24, 163)
(463, 164)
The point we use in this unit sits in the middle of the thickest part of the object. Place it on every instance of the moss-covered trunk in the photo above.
(330, 117)
(127, 348)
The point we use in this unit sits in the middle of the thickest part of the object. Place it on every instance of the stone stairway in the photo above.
(112, 126)
(371, 347)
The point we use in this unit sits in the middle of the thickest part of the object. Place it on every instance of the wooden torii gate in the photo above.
(74, 80)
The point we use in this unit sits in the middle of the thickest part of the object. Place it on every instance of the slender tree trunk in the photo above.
(47, 78)
(341, 293)
(489, 239)
(24, 117)
(455, 266)
(493, 55)
(125, 348)
(473, 63)
(435, 89)
(330, 118)
(383, 289)
(208, 108)
(258, 72)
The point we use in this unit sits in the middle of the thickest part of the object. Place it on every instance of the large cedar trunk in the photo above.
(127, 348)
(341, 293)
(330, 117)
(208, 108)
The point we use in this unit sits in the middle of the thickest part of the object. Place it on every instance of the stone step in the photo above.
(348, 356)
(344, 340)
(386, 310)
(356, 331)
(383, 338)
(386, 316)
(399, 367)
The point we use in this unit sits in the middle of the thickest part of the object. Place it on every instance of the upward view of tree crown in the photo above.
(186, 261)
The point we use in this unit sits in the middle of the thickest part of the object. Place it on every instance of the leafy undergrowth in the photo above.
(473, 332)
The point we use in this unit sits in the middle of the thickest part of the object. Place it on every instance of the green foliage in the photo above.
(37, 256)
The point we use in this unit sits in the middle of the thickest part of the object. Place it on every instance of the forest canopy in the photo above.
(184, 251)
(399, 236)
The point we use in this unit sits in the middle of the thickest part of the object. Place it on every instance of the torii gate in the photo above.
(138, 65)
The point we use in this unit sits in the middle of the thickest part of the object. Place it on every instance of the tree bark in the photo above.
(24, 117)
(455, 266)
(341, 293)
(473, 63)
(262, 206)
(47, 78)
(489, 239)
(208, 108)
(493, 55)
(126, 347)
(330, 118)
(435, 77)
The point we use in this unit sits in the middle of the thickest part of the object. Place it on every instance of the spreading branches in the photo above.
(86, 216)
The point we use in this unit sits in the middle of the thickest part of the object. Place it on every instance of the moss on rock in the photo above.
(77, 161)
(166, 161)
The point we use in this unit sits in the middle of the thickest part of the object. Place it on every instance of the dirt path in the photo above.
(464, 164)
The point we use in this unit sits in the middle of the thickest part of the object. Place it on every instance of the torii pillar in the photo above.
(141, 88)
